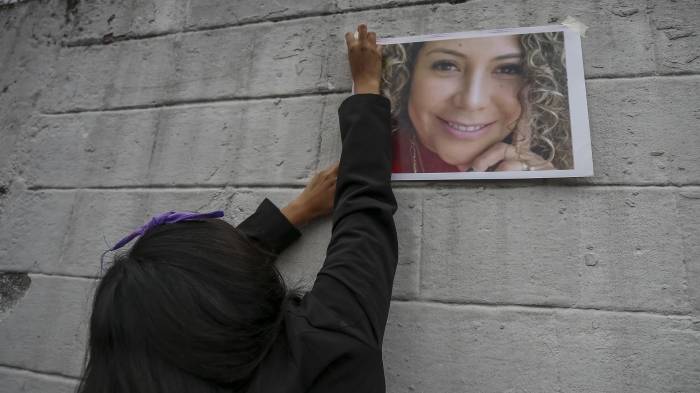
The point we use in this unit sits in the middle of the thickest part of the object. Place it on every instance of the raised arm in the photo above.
(355, 281)
(274, 230)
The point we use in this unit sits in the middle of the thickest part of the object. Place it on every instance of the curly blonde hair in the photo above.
(544, 65)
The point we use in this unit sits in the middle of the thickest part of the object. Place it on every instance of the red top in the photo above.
(403, 160)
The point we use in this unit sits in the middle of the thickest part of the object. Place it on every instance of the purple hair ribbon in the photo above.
(170, 217)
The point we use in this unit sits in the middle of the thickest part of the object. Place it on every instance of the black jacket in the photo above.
(331, 340)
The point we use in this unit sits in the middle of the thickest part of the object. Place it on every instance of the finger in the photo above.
(330, 172)
(331, 167)
(349, 39)
(362, 32)
(544, 166)
(528, 162)
(372, 38)
(541, 165)
(492, 156)
(522, 136)
(334, 168)
(513, 154)
(330, 190)
(315, 179)
(328, 177)
(535, 162)
(512, 165)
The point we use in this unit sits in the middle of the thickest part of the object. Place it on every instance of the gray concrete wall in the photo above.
(8, 2)
(112, 111)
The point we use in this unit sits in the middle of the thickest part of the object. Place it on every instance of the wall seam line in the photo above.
(57, 275)
(421, 244)
(286, 186)
(103, 41)
(22, 370)
(198, 102)
(522, 307)
(202, 102)
(441, 302)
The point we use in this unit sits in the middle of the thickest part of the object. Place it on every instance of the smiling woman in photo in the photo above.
(479, 104)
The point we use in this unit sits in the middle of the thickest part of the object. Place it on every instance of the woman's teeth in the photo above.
(464, 128)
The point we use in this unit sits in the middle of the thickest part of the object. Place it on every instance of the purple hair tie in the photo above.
(170, 217)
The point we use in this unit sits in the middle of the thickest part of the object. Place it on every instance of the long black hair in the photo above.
(192, 307)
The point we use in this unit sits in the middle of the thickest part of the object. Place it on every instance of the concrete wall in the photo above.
(8, 2)
(112, 111)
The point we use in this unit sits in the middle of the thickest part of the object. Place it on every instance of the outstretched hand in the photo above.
(316, 200)
(365, 58)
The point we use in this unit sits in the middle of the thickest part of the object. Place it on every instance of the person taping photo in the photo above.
(198, 305)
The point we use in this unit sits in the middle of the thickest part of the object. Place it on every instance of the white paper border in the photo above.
(578, 108)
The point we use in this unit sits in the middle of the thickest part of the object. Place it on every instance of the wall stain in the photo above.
(12, 287)
(71, 6)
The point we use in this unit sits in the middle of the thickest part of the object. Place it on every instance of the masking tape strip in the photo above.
(575, 25)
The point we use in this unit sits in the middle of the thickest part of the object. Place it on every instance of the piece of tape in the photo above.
(575, 25)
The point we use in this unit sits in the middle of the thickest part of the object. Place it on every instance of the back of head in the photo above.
(192, 307)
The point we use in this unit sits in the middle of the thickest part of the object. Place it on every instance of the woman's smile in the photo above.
(472, 130)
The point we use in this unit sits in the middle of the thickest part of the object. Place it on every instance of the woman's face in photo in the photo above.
(464, 95)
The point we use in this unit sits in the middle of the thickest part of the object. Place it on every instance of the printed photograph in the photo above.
(485, 105)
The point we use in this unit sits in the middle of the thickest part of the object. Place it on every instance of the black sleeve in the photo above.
(356, 279)
(269, 228)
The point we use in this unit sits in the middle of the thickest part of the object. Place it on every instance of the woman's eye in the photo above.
(510, 69)
(443, 65)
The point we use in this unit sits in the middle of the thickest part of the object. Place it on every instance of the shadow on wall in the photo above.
(71, 6)
(12, 287)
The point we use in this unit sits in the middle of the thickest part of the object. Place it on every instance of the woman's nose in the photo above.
(473, 93)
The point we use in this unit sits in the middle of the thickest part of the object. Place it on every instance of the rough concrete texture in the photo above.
(297, 56)
(510, 349)
(284, 137)
(147, 147)
(102, 20)
(557, 246)
(8, 2)
(47, 329)
(640, 135)
(113, 111)
(16, 380)
(29, 42)
(78, 225)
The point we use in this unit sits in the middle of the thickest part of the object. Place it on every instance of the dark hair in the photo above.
(399, 61)
(192, 307)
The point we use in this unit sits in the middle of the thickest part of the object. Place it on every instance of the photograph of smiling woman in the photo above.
(491, 106)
